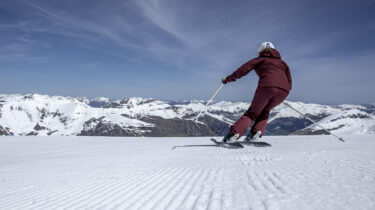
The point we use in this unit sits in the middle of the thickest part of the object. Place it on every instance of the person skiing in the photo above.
(274, 85)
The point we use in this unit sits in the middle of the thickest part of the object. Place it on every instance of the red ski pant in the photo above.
(264, 100)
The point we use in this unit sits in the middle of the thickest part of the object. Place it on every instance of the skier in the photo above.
(274, 85)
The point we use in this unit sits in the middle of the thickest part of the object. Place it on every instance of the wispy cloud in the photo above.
(60, 18)
(221, 41)
(118, 29)
(216, 45)
(19, 49)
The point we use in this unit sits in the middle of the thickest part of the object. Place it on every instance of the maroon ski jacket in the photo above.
(270, 68)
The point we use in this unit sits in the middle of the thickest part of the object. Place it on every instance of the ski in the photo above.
(256, 144)
(234, 145)
(240, 144)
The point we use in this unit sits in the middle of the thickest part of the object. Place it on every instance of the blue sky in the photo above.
(175, 50)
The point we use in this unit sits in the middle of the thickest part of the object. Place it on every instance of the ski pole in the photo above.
(209, 101)
(306, 117)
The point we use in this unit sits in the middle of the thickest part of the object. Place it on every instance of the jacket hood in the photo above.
(272, 54)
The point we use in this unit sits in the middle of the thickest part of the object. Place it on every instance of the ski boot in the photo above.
(231, 137)
(253, 137)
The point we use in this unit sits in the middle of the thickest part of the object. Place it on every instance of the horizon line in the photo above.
(169, 100)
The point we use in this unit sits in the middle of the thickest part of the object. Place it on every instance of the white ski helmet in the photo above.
(265, 45)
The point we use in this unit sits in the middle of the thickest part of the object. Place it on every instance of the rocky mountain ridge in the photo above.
(35, 114)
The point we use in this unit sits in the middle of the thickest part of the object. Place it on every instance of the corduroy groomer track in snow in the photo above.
(297, 172)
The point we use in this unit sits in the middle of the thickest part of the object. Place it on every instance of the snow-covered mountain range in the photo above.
(35, 114)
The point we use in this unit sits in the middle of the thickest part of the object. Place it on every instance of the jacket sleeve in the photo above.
(243, 70)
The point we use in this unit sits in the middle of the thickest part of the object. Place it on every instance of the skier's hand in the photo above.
(223, 80)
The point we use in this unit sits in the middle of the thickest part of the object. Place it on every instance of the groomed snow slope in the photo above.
(298, 172)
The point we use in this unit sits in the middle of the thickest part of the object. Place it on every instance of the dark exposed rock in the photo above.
(353, 116)
(63, 120)
(124, 103)
(162, 127)
(32, 133)
(29, 116)
(29, 96)
(43, 112)
(96, 127)
(106, 129)
(218, 127)
(57, 114)
(145, 101)
(4, 131)
(176, 127)
(37, 127)
(338, 127)
(286, 125)
(112, 105)
(317, 117)
(309, 131)
(51, 132)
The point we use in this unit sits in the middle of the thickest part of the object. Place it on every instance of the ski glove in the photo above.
(223, 80)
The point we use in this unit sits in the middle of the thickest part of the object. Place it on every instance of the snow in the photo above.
(297, 172)
(352, 121)
(306, 108)
(22, 113)
(350, 106)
